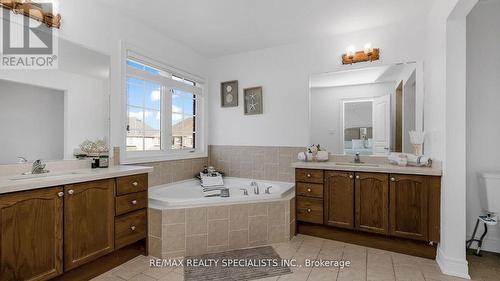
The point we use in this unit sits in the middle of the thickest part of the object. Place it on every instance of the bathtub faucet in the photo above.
(268, 188)
(255, 187)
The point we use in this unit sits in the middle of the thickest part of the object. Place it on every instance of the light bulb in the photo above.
(351, 50)
(368, 48)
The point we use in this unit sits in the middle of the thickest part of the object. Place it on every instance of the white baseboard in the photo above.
(489, 244)
(450, 266)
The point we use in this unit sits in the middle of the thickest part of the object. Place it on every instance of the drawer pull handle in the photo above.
(135, 183)
(308, 190)
(60, 194)
(134, 202)
(71, 191)
(351, 177)
(357, 177)
(308, 175)
(393, 179)
(132, 228)
(309, 210)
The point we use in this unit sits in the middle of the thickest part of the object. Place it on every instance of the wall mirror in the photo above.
(46, 114)
(366, 110)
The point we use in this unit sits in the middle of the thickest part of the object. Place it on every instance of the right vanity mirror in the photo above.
(369, 110)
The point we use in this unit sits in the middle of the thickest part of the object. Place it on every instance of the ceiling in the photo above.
(368, 75)
(216, 28)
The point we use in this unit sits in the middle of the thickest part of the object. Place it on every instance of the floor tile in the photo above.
(367, 264)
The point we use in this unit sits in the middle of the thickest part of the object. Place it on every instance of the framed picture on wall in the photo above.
(229, 93)
(253, 100)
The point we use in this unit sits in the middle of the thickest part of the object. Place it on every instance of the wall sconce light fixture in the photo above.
(368, 54)
(36, 11)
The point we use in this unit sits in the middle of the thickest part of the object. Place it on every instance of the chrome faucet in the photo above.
(357, 159)
(21, 160)
(38, 168)
(255, 187)
(268, 188)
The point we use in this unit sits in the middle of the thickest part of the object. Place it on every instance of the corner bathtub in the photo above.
(190, 193)
(182, 222)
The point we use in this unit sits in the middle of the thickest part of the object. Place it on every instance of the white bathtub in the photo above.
(190, 194)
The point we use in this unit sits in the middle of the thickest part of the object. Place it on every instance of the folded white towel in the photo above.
(413, 160)
(212, 193)
(207, 180)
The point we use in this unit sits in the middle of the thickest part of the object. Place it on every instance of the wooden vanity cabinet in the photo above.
(339, 199)
(31, 245)
(371, 202)
(48, 232)
(414, 207)
(371, 209)
(89, 213)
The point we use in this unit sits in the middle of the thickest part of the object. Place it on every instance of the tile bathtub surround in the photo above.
(256, 162)
(195, 231)
(175, 170)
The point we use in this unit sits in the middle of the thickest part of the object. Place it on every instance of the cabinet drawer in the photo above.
(130, 184)
(310, 189)
(310, 209)
(131, 202)
(309, 175)
(130, 228)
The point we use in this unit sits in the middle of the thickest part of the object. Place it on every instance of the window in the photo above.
(162, 111)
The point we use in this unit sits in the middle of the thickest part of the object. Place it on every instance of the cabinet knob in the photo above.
(132, 228)
(357, 177)
(134, 202)
(60, 194)
(71, 191)
(351, 177)
(309, 210)
(135, 183)
(393, 179)
(308, 175)
(308, 190)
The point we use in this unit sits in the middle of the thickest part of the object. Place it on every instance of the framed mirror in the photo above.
(366, 110)
(46, 114)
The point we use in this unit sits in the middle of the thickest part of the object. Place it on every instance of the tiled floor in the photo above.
(366, 264)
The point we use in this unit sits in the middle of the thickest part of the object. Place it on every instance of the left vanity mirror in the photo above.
(46, 114)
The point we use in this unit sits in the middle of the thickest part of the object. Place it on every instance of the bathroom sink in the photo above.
(45, 176)
(356, 164)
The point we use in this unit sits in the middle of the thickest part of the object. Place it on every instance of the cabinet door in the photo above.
(339, 199)
(408, 206)
(89, 210)
(31, 234)
(372, 196)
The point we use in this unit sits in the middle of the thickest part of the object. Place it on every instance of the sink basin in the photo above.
(45, 176)
(357, 164)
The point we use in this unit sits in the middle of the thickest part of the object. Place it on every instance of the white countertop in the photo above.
(369, 167)
(12, 183)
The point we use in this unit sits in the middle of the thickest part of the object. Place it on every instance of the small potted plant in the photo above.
(316, 153)
(96, 150)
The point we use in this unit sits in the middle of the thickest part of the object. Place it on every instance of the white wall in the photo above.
(326, 111)
(284, 74)
(483, 114)
(31, 122)
(99, 27)
(85, 103)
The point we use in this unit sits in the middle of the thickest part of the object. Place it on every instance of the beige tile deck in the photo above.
(367, 264)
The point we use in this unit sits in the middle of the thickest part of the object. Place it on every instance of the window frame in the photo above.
(168, 84)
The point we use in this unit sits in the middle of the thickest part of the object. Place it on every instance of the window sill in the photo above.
(141, 158)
